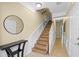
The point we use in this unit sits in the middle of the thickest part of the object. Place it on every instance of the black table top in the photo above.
(12, 44)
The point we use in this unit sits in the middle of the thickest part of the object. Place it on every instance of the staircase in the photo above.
(42, 44)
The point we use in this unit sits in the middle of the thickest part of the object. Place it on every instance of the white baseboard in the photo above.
(34, 37)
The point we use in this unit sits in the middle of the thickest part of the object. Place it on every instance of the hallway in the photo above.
(58, 50)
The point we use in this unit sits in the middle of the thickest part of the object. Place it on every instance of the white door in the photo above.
(74, 41)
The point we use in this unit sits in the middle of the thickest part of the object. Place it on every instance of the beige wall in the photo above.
(30, 19)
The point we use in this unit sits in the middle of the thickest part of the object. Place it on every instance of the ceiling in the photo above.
(56, 8)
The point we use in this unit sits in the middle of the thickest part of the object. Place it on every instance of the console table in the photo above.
(11, 53)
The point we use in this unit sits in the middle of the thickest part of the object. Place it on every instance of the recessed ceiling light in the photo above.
(38, 5)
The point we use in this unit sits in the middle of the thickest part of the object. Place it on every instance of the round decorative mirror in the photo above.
(13, 24)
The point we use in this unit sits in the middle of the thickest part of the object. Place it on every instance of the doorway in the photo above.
(59, 50)
(59, 29)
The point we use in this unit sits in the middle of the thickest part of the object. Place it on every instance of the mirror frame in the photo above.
(9, 31)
